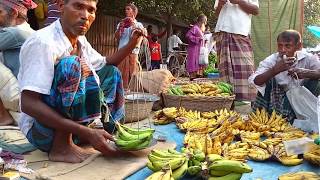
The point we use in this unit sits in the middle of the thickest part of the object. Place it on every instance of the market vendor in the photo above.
(277, 72)
(64, 83)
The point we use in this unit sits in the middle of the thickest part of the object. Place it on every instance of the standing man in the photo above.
(233, 43)
(174, 41)
(64, 84)
(14, 30)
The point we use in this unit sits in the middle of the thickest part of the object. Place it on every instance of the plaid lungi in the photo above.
(76, 95)
(275, 98)
(236, 63)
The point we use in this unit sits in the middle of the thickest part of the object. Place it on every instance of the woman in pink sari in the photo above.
(195, 40)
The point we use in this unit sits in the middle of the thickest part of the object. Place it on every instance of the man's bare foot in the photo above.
(5, 118)
(71, 154)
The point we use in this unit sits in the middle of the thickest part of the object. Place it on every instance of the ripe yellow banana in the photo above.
(299, 176)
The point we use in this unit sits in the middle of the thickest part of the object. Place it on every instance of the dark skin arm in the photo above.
(282, 65)
(117, 57)
(32, 105)
(304, 73)
(220, 5)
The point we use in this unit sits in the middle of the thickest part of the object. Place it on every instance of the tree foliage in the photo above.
(183, 10)
(311, 17)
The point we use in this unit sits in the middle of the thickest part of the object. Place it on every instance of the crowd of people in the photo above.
(63, 84)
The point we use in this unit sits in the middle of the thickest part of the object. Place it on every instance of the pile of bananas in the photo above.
(299, 176)
(220, 89)
(227, 169)
(313, 156)
(237, 151)
(131, 139)
(163, 159)
(165, 116)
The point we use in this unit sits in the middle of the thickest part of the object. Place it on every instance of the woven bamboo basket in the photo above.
(138, 106)
(199, 103)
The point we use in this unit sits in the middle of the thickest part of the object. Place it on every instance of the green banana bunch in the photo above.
(213, 157)
(194, 170)
(231, 176)
(230, 165)
(161, 175)
(161, 159)
(132, 139)
(181, 171)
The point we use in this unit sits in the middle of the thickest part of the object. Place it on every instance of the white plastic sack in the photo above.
(304, 104)
(9, 89)
(204, 56)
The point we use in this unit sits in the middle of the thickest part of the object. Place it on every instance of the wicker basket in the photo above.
(138, 106)
(199, 103)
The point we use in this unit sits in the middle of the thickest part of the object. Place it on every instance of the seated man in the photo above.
(15, 30)
(64, 83)
(275, 74)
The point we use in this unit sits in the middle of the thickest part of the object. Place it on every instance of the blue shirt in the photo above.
(11, 40)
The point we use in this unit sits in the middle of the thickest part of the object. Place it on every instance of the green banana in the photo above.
(140, 146)
(233, 166)
(174, 163)
(165, 154)
(124, 135)
(195, 162)
(173, 151)
(133, 144)
(170, 92)
(181, 171)
(175, 91)
(231, 176)
(137, 131)
(200, 156)
(154, 158)
(194, 170)
(155, 176)
(180, 91)
(213, 157)
(150, 166)
(218, 173)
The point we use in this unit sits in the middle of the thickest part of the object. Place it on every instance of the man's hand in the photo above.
(99, 138)
(284, 64)
(299, 73)
(137, 35)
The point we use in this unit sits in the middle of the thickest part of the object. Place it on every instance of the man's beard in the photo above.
(7, 22)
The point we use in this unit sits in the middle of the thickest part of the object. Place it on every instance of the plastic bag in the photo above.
(304, 104)
(204, 56)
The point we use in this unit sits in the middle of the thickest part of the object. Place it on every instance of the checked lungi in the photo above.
(76, 95)
(236, 63)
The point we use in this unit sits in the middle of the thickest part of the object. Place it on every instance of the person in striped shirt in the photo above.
(53, 11)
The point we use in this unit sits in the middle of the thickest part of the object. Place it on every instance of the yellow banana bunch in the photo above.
(208, 115)
(251, 136)
(171, 112)
(162, 120)
(313, 156)
(290, 160)
(132, 139)
(299, 176)
(258, 154)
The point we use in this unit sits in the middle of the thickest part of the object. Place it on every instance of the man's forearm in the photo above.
(217, 11)
(32, 105)
(265, 77)
(313, 74)
(117, 57)
(248, 8)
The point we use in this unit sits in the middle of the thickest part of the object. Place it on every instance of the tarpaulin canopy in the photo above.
(274, 17)
(314, 30)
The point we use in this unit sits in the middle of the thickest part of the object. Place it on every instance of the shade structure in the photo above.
(315, 30)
